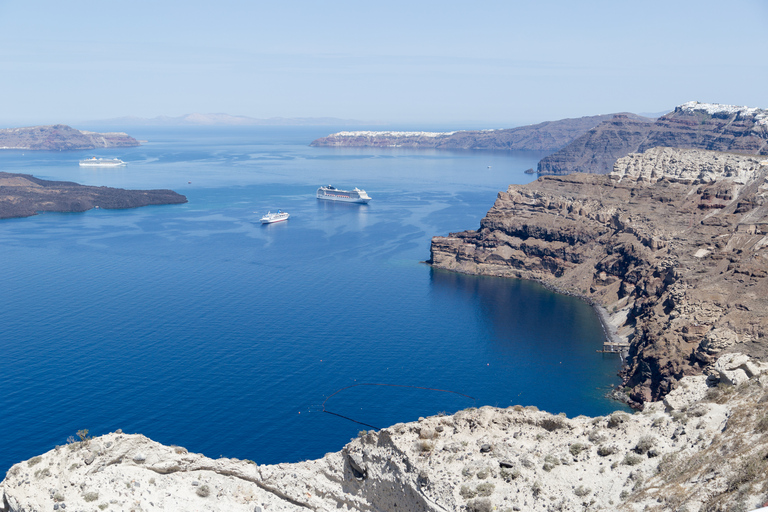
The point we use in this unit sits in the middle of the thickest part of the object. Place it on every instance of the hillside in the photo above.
(673, 244)
(61, 138)
(692, 125)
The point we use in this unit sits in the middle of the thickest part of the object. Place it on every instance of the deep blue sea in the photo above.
(195, 325)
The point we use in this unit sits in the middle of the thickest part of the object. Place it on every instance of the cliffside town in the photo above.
(547, 136)
(692, 125)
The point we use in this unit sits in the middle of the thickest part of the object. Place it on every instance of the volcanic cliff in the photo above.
(691, 125)
(672, 244)
(61, 137)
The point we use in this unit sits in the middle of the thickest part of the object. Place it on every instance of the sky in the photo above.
(453, 63)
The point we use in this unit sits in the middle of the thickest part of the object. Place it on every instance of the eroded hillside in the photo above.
(672, 244)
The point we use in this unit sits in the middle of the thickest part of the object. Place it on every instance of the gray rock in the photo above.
(359, 468)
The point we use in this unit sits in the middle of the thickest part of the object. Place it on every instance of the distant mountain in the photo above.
(692, 125)
(61, 137)
(226, 120)
(547, 136)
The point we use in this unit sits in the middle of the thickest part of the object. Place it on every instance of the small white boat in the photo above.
(270, 217)
(101, 162)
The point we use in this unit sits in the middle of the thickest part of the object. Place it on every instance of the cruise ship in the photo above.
(270, 217)
(330, 193)
(101, 162)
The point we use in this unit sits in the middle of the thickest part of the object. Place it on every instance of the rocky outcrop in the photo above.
(547, 136)
(693, 125)
(672, 243)
(703, 449)
(61, 138)
(22, 195)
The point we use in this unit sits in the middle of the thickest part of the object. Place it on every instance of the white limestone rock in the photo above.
(689, 390)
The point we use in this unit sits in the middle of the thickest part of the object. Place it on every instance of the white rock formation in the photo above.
(688, 165)
(704, 448)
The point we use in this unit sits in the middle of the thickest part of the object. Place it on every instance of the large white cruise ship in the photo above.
(101, 162)
(330, 193)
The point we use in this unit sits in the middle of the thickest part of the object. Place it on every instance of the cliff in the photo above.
(22, 195)
(547, 136)
(672, 243)
(692, 125)
(703, 449)
(61, 138)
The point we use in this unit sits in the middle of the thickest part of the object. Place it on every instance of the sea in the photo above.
(197, 326)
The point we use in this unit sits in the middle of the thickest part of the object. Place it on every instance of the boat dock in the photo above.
(615, 347)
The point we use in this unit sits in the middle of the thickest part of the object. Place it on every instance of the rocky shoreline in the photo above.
(704, 448)
(672, 244)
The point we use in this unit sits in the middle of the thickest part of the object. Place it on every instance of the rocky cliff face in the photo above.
(703, 449)
(596, 150)
(547, 136)
(692, 125)
(672, 243)
(61, 138)
(22, 195)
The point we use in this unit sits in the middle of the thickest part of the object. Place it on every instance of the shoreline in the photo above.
(610, 331)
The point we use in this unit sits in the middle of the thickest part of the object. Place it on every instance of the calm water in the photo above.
(195, 325)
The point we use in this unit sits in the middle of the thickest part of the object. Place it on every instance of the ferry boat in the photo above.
(101, 162)
(270, 217)
(331, 193)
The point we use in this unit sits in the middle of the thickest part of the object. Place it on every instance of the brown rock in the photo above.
(637, 243)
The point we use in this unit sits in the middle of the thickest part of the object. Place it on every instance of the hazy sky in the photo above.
(503, 63)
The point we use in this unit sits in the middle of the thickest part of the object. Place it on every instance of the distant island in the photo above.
(60, 137)
(593, 144)
(546, 136)
(227, 120)
(22, 195)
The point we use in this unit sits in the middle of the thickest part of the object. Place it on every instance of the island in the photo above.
(546, 136)
(60, 137)
(23, 195)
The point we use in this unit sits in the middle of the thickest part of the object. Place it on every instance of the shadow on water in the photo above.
(539, 337)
